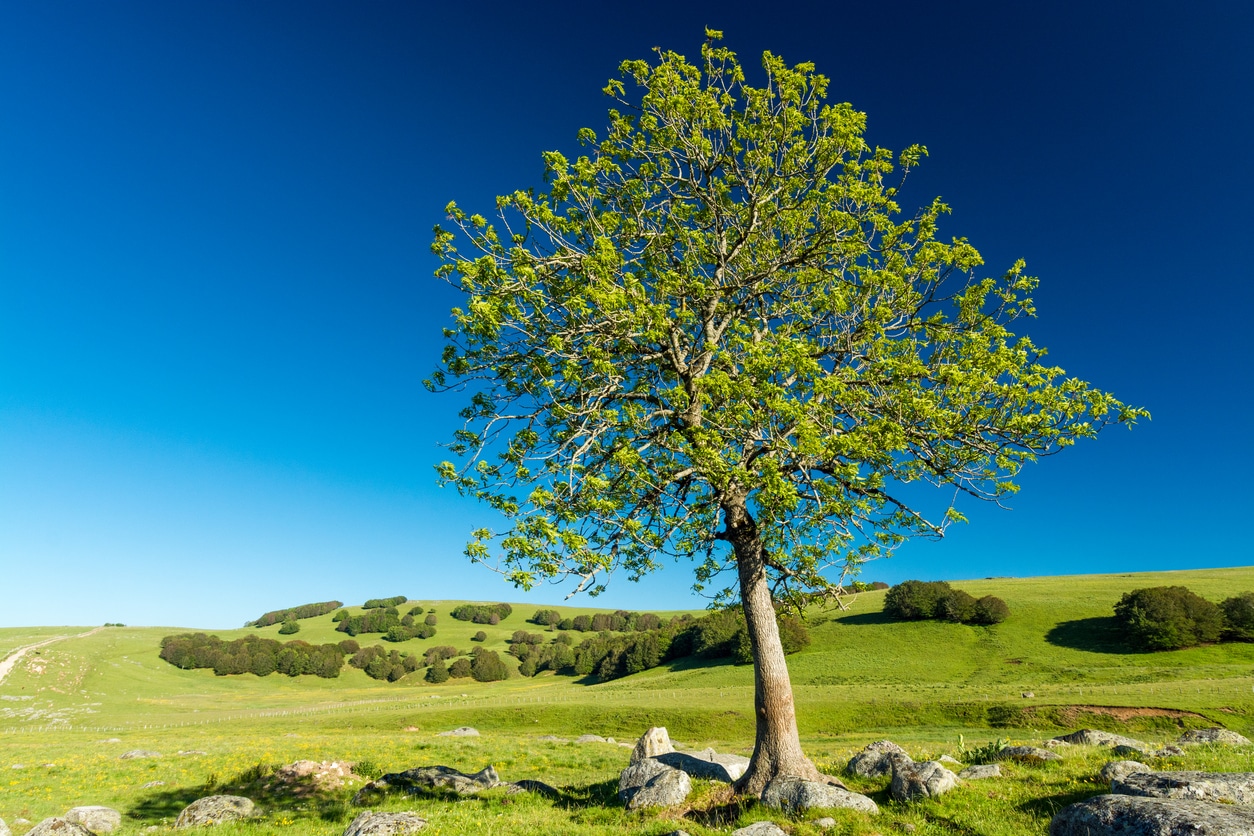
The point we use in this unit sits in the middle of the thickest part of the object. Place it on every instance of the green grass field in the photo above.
(863, 678)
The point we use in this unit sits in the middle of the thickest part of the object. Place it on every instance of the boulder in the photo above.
(707, 765)
(591, 738)
(216, 809)
(652, 743)
(4, 829)
(138, 753)
(1094, 737)
(949, 760)
(146, 786)
(1224, 787)
(827, 822)
(529, 785)
(385, 824)
(552, 738)
(307, 777)
(1118, 770)
(1215, 735)
(761, 828)
(875, 759)
(95, 818)
(460, 731)
(1123, 751)
(666, 789)
(1026, 754)
(795, 796)
(636, 775)
(425, 778)
(980, 772)
(1126, 815)
(1168, 752)
(912, 781)
(57, 826)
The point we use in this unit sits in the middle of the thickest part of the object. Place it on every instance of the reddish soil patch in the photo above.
(1122, 713)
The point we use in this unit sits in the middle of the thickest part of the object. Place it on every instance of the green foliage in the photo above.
(340, 616)
(293, 613)
(289, 627)
(990, 610)
(460, 669)
(480, 636)
(367, 768)
(981, 754)
(376, 620)
(437, 673)
(488, 666)
(548, 618)
(1239, 616)
(251, 654)
(1168, 618)
(482, 613)
(915, 600)
(384, 603)
(956, 606)
(430, 620)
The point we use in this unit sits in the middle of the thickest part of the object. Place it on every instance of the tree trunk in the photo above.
(777, 746)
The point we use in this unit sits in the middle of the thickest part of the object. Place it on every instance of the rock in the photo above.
(95, 818)
(1094, 737)
(1123, 751)
(1028, 695)
(707, 765)
(138, 753)
(1126, 815)
(57, 826)
(528, 785)
(980, 772)
(875, 759)
(384, 824)
(912, 781)
(946, 759)
(460, 731)
(591, 738)
(1118, 770)
(666, 789)
(676, 833)
(307, 777)
(190, 752)
(152, 784)
(552, 738)
(636, 775)
(4, 829)
(425, 778)
(1168, 752)
(1026, 754)
(760, 828)
(1055, 743)
(795, 796)
(1224, 787)
(216, 809)
(1215, 735)
(827, 822)
(652, 743)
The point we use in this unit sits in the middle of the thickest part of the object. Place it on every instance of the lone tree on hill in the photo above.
(715, 337)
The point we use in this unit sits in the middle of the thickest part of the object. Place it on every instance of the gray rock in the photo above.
(138, 753)
(947, 760)
(1168, 752)
(552, 738)
(460, 731)
(529, 785)
(216, 809)
(665, 789)
(636, 775)
(385, 824)
(827, 822)
(875, 759)
(1126, 815)
(152, 784)
(795, 796)
(1215, 735)
(912, 781)
(57, 826)
(1094, 737)
(980, 772)
(1118, 770)
(652, 743)
(1225, 787)
(591, 738)
(1028, 695)
(425, 778)
(707, 765)
(760, 828)
(4, 829)
(1026, 754)
(1123, 751)
(95, 818)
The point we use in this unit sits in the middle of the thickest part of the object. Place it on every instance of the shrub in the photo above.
(1239, 616)
(546, 618)
(289, 627)
(914, 600)
(251, 654)
(430, 620)
(349, 646)
(293, 613)
(375, 620)
(566, 624)
(340, 616)
(488, 667)
(1168, 618)
(957, 606)
(460, 669)
(384, 603)
(415, 611)
(440, 652)
(479, 637)
(437, 673)
(582, 623)
(990, 610)
(482, 613)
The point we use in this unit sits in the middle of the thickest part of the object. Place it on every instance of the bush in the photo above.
(482, 613)
(251, 654)
(1239, 616)
(460, 669)
(340, 616)
(957, 606)
(289, 627)
(430, 620)
(915, 600)
(293, 613)
(479, 637)
(1168, 618)
(546, 618)
(384, 603)
(437, 673)
(375, 620)
(488, 667)
(989, 610)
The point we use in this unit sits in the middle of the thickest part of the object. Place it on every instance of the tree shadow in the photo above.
(866, 618)
(1096, 635)
(254, 784)
(1046, 807)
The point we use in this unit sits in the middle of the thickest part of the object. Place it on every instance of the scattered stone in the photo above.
(946, 759)
(980, 772)
(1026, 754)
(1094, 737)
(795, 796)
(666, 789)
(1168, 752)
(1215, 735)
(460, 731)
(95, 818)
(1055, 743)
(384, 824)
(1118, 770)
(636, 775)
(111, 740)
(676, 833)
(707, 765)
(827, 822)
(553, 738)
(591, 738)
(18, 766)
(652, 743)
(529, 785)
(1224, 787)
(875, 759)
(307, 777)
(4, 829)
(57, 826)
(138, 753)
(1123, 751)
(1027, 695)
(190, 752)
(424, 778)
(152, 784)
(912, 781)
(410, 729)
(760, 828)
(1126, 815)
(216, 809)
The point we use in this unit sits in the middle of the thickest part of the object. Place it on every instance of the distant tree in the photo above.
(488, 666)
(956, 606)
(437, 673)
(480, 636)
(290, 626)
(915, 600)
(1168, 618)
(460, 669)
(430, 620)
(1239, 616)
(990, 610)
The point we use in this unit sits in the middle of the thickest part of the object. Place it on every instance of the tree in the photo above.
(713, 336)
(1168, 618)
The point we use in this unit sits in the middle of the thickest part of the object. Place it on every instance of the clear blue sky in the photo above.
(216, 302)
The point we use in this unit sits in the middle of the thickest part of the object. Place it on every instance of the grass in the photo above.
(863, 678)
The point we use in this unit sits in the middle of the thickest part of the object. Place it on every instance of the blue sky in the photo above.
(217, 308)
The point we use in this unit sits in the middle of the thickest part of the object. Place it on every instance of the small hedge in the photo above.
(373, 621)
(293, 613)
(922, 600)
(1169, 618)
(384, 603)
(482, 613)
(251, 654)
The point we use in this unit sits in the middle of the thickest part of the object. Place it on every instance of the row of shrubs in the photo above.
(391, 665)
(482, 613)
(620, 621)
(254, 655)
(1174, 617)
(922, 600)
(384, 603)
(293, 613)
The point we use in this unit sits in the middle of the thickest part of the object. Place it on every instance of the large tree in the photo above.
(713, 335)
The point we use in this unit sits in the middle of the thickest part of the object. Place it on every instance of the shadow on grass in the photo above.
(254, 784)
(863, 618)
(1046, 807)
(601, 794)
(1096, 635)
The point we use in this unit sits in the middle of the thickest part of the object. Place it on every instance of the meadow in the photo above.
(69, 710)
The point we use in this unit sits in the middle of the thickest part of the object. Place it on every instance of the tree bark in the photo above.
(777, 745)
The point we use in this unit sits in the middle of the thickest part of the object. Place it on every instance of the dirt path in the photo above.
(12, 659)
